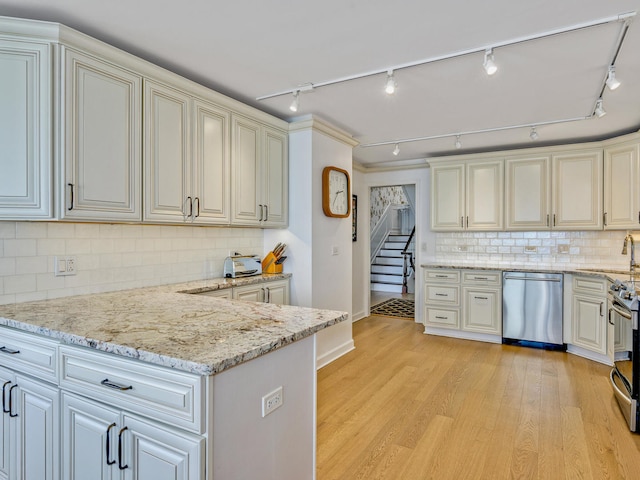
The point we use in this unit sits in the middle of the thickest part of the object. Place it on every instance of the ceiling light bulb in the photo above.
(612, 81)
(533, 135)
(600, 111)
(458, 143)
(489, 65)
(396, 150)
(296, 101)
(390, 85)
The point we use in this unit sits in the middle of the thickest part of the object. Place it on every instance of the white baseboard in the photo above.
(445, 332)
(334, 354)
(583, 352)
(358, 316)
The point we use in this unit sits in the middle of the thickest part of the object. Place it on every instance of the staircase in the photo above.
(386, 269)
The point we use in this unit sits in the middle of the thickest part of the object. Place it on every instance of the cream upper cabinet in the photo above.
(622, 187)
(527, 192)
(25, 130)
(102, 140)
(467, 196)
(260, 174)
(577, 190)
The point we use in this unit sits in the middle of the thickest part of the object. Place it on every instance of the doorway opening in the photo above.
(392, 268)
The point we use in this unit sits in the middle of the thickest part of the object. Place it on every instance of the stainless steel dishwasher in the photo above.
(532, 309)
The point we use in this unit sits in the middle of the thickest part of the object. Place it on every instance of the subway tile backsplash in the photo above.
(533, 249)
(112, 257)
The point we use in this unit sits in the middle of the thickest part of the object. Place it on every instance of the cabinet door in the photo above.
(527, 190)
(277, 292)
(25, 131)
(250, 293)
(482, 310)
(485, 196)
(577, 190)
(7, 440)
(246, 205)
(275, 167)
(442, 318)
(589, 323)
(211, 161)
(621, 187)
(89, 440)
(447, 197)
(102, 159)
(154, 453)
(167, 158)
(38, 431)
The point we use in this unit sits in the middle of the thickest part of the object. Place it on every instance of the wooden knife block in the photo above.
(269, 264)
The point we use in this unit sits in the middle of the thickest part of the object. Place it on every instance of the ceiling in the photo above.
(251, 48)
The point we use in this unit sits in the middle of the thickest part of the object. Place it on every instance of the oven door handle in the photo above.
(619, 311)
(620, 393)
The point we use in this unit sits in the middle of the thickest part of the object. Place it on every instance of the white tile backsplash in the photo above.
(585, 249)
(112, 257)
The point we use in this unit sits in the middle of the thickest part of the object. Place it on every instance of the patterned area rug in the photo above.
(396, 307)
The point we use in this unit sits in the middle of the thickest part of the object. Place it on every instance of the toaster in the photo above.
(242, 266)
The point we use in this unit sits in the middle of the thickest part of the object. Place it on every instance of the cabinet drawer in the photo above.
(442, 294)
(436, 317)
(591, 285)
(480, 277)
(156, 392)
(441, 275)
(29, 353)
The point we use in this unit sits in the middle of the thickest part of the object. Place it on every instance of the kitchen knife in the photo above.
(281, 260)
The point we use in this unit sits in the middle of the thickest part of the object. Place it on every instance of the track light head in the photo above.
(390, 84)
(489, 65)
(458, 143)
(599, 110)
(396, 150)
(296, 101)
(612, 81)
(534, 134)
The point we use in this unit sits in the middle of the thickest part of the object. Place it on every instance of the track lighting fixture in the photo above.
(458, 143)
(296, 101)
(489, 65)
(612, 81)
(390, 85)
(600, 111)
(396, 150)
(534, 134)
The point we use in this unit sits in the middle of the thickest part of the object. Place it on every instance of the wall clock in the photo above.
(336, 192)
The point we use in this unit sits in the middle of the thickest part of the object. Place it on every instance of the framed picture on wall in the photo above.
(354, 218)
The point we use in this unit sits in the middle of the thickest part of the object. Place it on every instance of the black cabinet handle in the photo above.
(115, 386)
(10, 351)
(197, 199)
(190, 207)
(109, 461)
(266, 213)
(120, 448)
(4, 396)
(10, 407)
(442, 318)
(71, 185)
(261, 212)
(481, 298)
(610, 322)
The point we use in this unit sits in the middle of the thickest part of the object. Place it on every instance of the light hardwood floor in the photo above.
(404, 405)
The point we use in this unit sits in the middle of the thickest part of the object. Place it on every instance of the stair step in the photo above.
(383, 287)
(393, 269)
(386, 252)
(392, 279)
(388, 261)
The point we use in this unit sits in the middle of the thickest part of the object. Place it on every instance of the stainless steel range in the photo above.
(625, 375)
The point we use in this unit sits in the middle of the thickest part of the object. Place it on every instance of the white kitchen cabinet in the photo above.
(102, 443)
(467, 196)
(276, 292)
(442, 299)
(482, 310)
(622, 187)
(260, 174)
(7, 440)
(577, 190)
(102, 140)
(527, 192)
(26, 157)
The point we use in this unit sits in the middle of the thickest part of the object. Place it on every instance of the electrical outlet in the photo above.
(335, 250)
(530, 249)
(562, 248)
(64, 266)
(271, 401)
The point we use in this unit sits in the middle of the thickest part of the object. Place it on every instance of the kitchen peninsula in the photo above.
(161, 383)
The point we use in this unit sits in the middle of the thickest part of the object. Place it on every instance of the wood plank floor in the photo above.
(404, 405)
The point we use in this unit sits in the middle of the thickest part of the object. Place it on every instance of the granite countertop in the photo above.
(168, 326)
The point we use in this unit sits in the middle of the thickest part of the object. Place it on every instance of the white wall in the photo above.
(425, 239)
(320, 279)
(112, 257)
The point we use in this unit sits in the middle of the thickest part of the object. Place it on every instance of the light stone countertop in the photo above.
(167, 326)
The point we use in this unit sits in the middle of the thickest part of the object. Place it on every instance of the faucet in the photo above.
(633, 264)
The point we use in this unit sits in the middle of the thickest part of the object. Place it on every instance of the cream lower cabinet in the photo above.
(26, 161)
(464, 304)
(276, 292)
(592, 335)
(103, 443)
(622, 186)
(102, 140)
